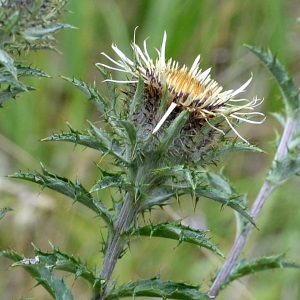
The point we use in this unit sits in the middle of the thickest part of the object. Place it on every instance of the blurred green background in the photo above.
(216, 30)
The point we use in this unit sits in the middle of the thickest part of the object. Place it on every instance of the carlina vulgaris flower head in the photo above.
(189, 89)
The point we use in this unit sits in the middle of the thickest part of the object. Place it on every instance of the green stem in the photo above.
(116, 242)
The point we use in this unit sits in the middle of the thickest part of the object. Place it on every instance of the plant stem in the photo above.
(241, 240)
(116, 242)
(257, 206)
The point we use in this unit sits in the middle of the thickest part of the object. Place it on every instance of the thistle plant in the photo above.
(163, 126)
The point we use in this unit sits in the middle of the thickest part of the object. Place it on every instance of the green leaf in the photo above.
(228, 147)
(244, 267)
(79, 84)
(208, 127)
(4, 210)
(8, 63)
(24, 70)
(12, 92)
(185, 177)
(43, 32)
(280, 118)
(100, 101)
(77, 138)
(44, 275)
(218, 181)
(115, 180)
(157, 197)
(128, 136)
(163, 103)
(285, 82)
(110, 85)
(283, 169)
(137, 99)
(154, 287)
(15, 87)
(190, 176)
(129, 130)
(12, 21)
(8, 79)
(91, 92)
(178, 232)
(110, 143)
(91, 140)
(62, 261)
(172, 132)
(36, 6)
(218, 188)
(64, 186)
(233, 201)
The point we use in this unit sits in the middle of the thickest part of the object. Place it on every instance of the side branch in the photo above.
(266, 190)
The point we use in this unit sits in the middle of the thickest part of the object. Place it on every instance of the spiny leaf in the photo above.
(106, 138)
(102, 142)
(157, 197)
(110, 143)
(64, 186)
(219, 191)
(225, 199)
(154, 287)
(36, 6)
(137, 99)
(79, 84)
(30, 71)
(77, 138)
(285, 82)
(91, 92)
(172, 132)
(110, 85)
(129, 131)
(8, 63)
(244, 267)
(190, 177)
(280, 118)
(115, 180)
(218, 181)
(11, 21)
(43, 32)
(8, 79)
(283, 169)
(128, 134)
(100, 102)
(178, 232)
(62, 261)
(12, 92)
(15, 87)
(207, 127)
(228, 147)
(163, 103)
(56, 287)
(4, 210)
(185, 177)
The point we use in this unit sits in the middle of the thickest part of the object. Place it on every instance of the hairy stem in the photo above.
(116, 242)
(258, 204)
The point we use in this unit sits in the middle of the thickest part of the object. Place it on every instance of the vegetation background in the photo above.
(216, 29)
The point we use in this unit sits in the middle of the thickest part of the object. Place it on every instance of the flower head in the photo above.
(189, 89)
